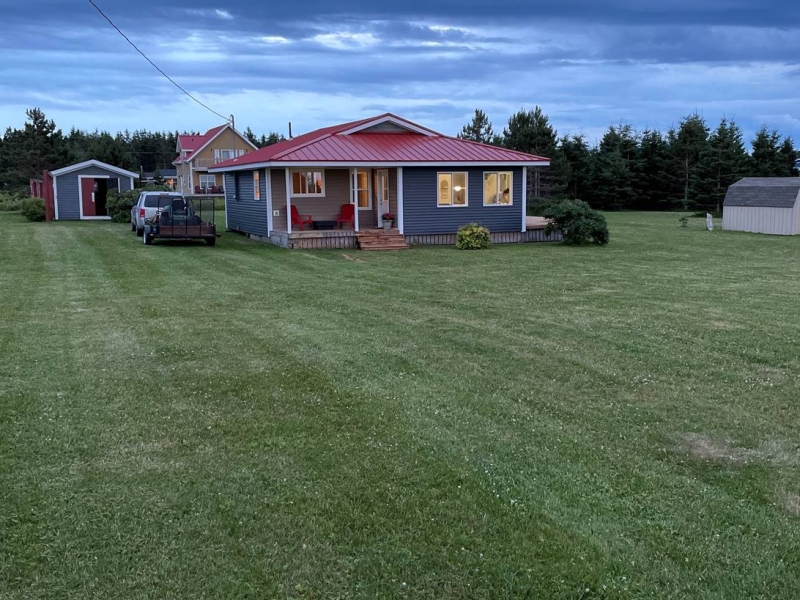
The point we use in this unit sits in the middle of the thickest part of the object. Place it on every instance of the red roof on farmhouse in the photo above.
(194, 142)
(367, 142)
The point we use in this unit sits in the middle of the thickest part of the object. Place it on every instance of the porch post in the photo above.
(524, 201)
(268, 184)
(400, 199)
(288, 201)
(354, 195)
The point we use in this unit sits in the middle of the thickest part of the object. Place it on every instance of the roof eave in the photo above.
(376, 163)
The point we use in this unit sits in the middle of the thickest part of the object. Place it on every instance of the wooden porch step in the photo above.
(381, 239)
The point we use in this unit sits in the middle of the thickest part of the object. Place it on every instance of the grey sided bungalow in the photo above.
(329, 187)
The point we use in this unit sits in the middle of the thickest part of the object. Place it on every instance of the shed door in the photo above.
(87, 197)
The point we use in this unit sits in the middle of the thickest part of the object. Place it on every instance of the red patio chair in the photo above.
(300, 220)
(347, 214)
(197, 189)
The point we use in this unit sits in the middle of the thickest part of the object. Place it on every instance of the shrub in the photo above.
(684, 222)
(119, 205)
(473, 237)
(577, 222)
(10, 201)
(33, 209)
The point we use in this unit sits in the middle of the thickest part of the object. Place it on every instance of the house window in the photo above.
(257, 185)
(223, 155)
(498, 188)
(364, 197)
(452, 190)
(308, 183)
(208, 181)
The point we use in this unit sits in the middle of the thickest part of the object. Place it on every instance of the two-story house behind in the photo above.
(196, 153)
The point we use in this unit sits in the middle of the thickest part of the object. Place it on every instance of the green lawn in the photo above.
(532, 421)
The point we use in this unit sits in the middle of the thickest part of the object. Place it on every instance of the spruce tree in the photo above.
(722, 163)
(789, 157)
(689, 143)
(766, 160)
(574, 166)
(652, 187)
(479, 129)
(530, 131)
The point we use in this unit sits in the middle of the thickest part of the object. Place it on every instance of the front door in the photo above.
(382, 194)
(87, 197)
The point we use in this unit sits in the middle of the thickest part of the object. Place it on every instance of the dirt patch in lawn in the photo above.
(790, 503)
(702, 447)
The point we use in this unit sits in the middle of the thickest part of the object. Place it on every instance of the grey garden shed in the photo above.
(763, 205)
(80, 190)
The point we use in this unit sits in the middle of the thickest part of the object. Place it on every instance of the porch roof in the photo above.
(365, 143)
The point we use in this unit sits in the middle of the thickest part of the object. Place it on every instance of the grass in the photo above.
(531, 421)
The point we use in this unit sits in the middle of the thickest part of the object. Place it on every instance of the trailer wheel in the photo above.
(147, 236)
(212, 241)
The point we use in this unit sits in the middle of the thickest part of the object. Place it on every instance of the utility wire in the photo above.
(157, 68)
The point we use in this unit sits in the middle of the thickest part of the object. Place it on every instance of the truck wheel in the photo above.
(139, 231)
(133, 226)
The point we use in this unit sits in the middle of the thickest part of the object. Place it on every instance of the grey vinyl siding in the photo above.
(68, 186)
(421, 214)
(245, 213)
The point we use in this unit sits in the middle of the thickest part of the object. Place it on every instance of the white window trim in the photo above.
(466, 190)
(510, 188)
(257, 186)
(309, 170)
(369, 188)
(200, 179)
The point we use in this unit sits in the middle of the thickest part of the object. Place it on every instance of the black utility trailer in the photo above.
(182, 219)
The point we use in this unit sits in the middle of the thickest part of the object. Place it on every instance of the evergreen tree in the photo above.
(530, 131)
(616, 161)
(766, 156)
(653, 181)
(789, 157)
(248, 133)
(574, 165)
(272, 138)
(479, 130)
(687, 146)
(722, 163)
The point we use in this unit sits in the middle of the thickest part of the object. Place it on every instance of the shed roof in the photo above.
(93, 163)
(764, 192)
(360, 142)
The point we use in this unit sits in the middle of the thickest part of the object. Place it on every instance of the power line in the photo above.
(157, 68)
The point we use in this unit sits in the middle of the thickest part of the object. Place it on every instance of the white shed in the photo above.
(763, 205)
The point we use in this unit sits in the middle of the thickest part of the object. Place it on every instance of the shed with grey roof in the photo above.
(763, 205)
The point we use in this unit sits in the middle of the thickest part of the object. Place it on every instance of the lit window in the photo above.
(498, 188)
(452, 190)
(256, 185)
(364, 198)
(307, 183)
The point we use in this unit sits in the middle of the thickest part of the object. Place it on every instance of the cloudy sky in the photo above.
(588, 63)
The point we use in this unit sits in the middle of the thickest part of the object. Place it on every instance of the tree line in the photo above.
(689, 167)
(40, 145)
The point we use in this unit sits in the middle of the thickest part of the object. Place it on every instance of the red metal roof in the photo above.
(195, 142)
(334, 144)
